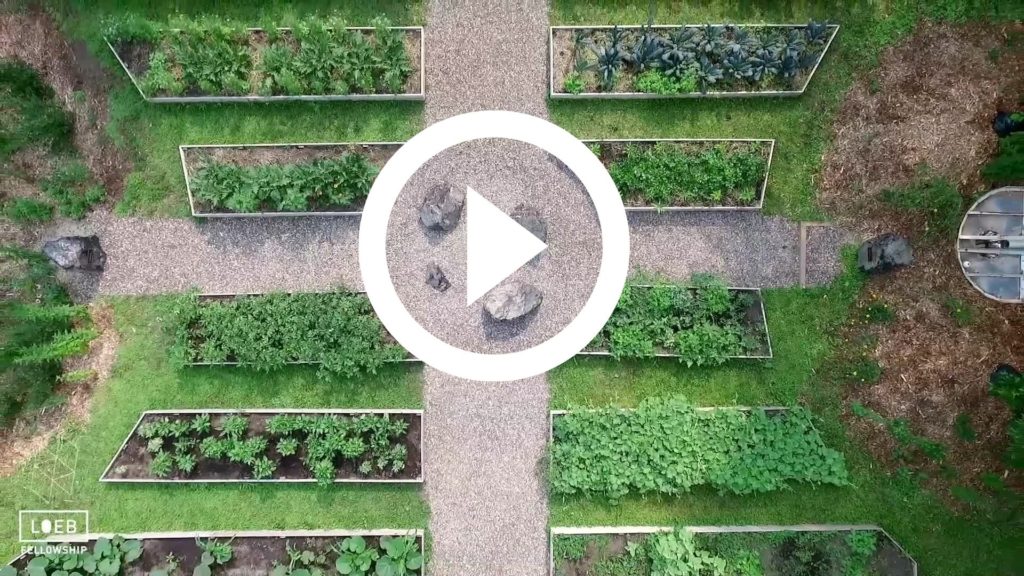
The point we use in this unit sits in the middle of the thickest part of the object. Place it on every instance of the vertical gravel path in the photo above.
(488, 504)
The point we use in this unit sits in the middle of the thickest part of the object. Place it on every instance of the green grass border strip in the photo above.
(214, 295)
(965, 246)
(593, 530)
(415, 96)
(691, 95)
(243, 411)
(759, 303)
(764, 181)
(418, 533)
(183, 148)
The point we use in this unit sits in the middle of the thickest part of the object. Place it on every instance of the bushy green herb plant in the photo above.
(676, 554)
(704, 323)
(355, 557)
(401, 556)
(668, 446)
(329, 183)
(657, 82)
(215, 553)
(337, 330)
(691, 174)
(574, 83)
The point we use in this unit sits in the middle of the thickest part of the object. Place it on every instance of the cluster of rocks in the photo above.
(76, 253)
(441, 211)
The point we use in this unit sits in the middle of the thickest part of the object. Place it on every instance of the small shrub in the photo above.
(655, 82)
(574, 83)
(936, 199)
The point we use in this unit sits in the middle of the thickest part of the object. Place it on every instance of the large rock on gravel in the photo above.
(884, 253)
(530, 219)
(436, 278)
(76, 252)
(442, 207)
(512, 300)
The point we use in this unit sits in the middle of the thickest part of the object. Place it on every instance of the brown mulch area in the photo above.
(35, 38)
(930, 102)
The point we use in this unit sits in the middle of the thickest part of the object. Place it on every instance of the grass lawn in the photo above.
(801, 126)
(153, 132)
(143, 379)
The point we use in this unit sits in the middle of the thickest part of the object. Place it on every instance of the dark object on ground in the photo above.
(436, 278)
(1004, 123)
(530, 219)
(78, 252)
(512, 300)
(884, 253)
(442, 207)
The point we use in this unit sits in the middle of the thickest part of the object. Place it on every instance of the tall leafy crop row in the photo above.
(668, 174)
(316, 56)
(337, 330)
(667, 446)
(705, 324)
(329, 183)
(688, 59)
(370, 444)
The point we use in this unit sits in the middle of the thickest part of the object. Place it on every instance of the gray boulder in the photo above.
(512, 300)
(442, 207)
(884, 253)
(436, 278)
(530, 219)
(76, 252)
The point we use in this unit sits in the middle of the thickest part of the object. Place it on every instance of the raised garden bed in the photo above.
(224, 446)
(847, 549)
(210, 60)
(272, 553)
(289, 179)
(667, 446)
(704, 324)
(336, 330)
(688, 174)
(689, 61)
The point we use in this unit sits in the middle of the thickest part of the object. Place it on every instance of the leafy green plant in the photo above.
(657, 82)
(214, 553)
(676, 554)
(569, 547)
(401, 556)
(162, 464)
(574, 83)
(355, 557)
(328, 184)
(337, 330)
(287, 446)
(705, 324)
(692, 173)
(301, 563)
(1007, 167)
(667, 446)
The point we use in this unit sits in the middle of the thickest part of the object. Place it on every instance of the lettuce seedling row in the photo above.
(249, 551)
(194, 156)
(562, 49)
(134, 60)
(754, 317)
(887, 557)
(133, 461)
(612, 150)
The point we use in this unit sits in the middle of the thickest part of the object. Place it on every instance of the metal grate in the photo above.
(991, 244)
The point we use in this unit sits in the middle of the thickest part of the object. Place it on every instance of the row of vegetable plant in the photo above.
(703, 324)
(338, 331)
(211, 57)
(234, 446)
(728, 551)
(294, 553)
(688, 173)
(668, 446)
(688, 60)
(257, 179)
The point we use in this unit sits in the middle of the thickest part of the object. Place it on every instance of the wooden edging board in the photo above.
(339, 412)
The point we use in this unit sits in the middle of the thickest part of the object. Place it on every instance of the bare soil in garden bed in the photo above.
(564, 41)
(133, 461)
(196, 157)
(893, 121)
(888, 559)
(615, 151)
(136, 55)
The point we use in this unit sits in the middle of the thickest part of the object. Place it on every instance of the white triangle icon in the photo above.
(496, 246)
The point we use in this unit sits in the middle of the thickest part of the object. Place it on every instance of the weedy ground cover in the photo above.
(667, 446)
(717, 59)
(305, 555)
(338, 331)
(293, 446)
(682, 552)
(210, 56)
(691, 173)
(705, 323)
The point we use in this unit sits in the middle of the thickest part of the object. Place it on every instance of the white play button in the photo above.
(496, 246)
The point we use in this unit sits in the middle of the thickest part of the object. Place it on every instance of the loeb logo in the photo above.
(43, 525)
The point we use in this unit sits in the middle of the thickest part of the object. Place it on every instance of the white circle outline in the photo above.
(611, 216)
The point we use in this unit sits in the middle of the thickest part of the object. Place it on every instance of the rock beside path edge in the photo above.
(512, 300)
(442, 207)
(76, 252)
